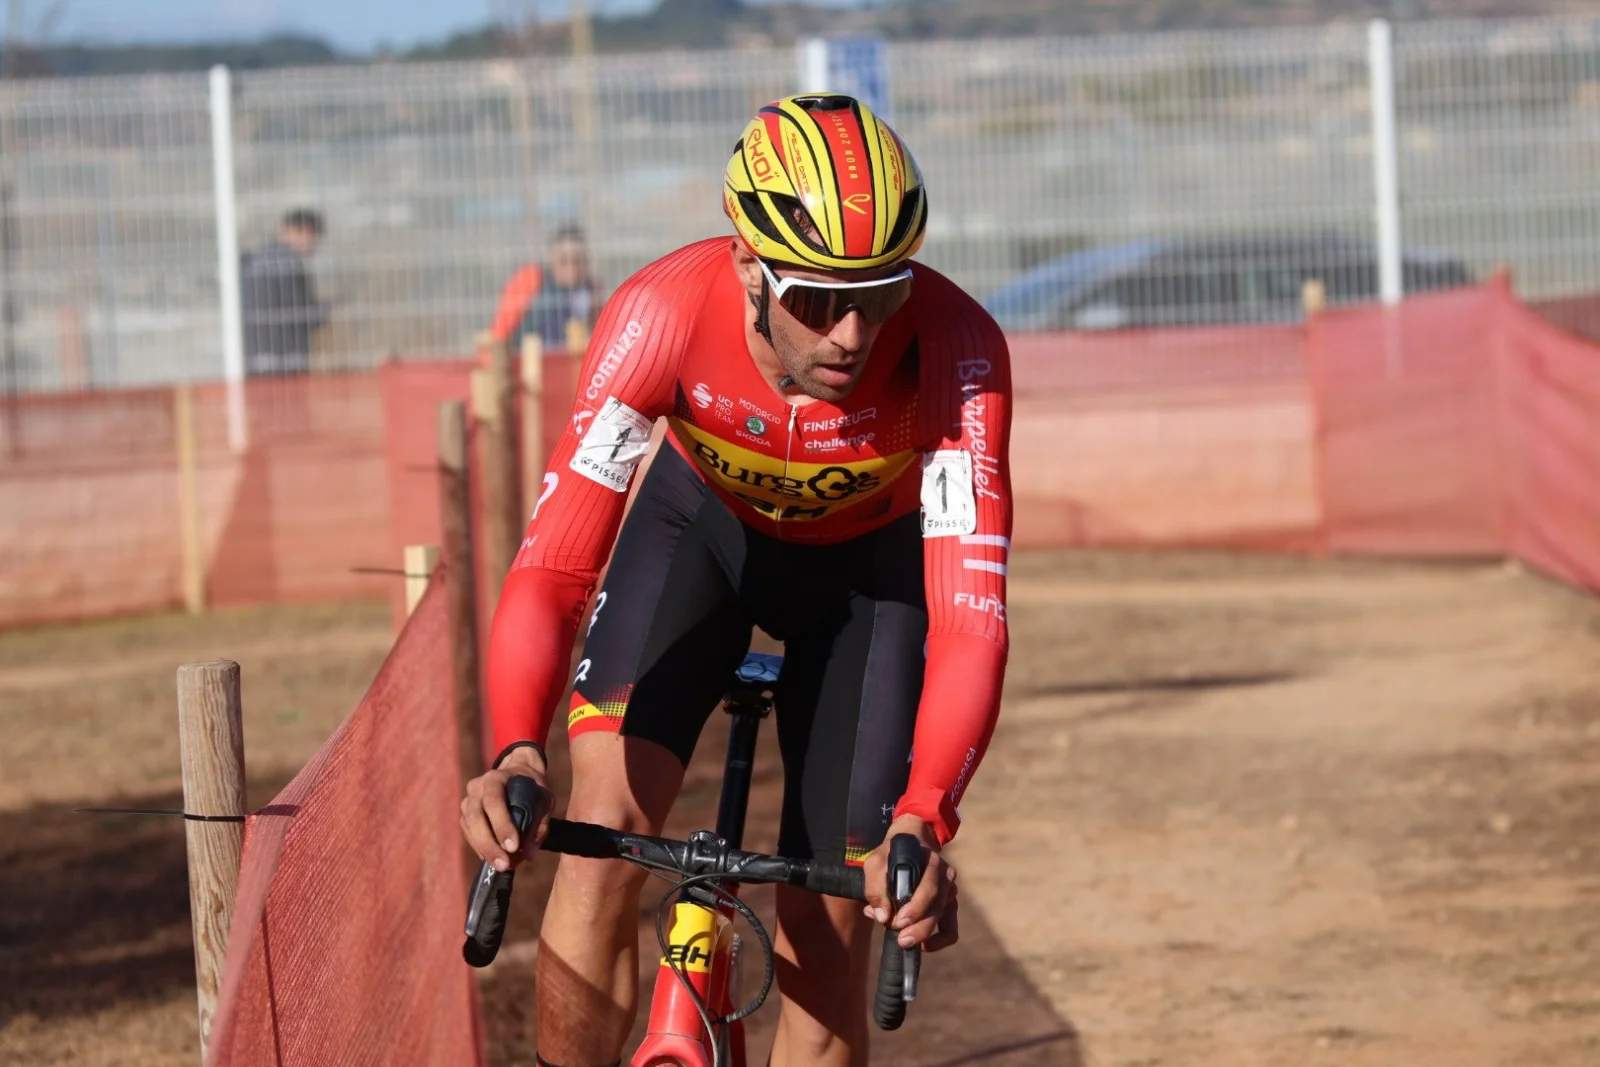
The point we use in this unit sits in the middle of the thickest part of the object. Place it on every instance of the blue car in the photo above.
(1204, 281)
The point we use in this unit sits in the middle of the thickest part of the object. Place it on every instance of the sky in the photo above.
(351, 25)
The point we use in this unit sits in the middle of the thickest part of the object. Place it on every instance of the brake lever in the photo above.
(490, 905)
(905, 871)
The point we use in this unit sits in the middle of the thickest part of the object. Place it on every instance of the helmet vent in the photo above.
(910, 212)
(824, 102)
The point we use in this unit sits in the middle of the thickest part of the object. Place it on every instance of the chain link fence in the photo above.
(1500, 146)
(107, 234)
(437, 181)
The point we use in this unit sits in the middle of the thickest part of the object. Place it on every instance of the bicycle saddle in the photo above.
(758, 669)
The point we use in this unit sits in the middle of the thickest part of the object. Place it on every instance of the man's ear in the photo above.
(747, 267)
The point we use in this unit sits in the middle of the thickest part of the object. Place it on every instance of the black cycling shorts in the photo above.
(687, 583)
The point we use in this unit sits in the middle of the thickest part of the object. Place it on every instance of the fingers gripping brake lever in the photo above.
(898, 967)
(905, 872)
(491, 891)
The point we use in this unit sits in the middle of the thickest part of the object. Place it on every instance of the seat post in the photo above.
(747, 713)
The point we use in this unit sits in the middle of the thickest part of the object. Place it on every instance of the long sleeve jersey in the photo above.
(925, 428)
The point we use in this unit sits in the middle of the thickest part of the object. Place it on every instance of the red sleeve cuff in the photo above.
(933, 807)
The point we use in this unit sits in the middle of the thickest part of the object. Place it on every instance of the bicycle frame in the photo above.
(701, 939)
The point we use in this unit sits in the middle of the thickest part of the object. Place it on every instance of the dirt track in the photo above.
(1299, 815)
(1239, 812)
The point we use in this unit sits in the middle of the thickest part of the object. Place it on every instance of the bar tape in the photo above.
(160, 811)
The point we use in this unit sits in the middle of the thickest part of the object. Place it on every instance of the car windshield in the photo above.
(1033, 301)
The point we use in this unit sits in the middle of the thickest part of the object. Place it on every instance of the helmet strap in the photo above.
(764, 310)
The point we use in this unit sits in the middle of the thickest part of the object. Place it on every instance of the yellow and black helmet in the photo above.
(820, 182)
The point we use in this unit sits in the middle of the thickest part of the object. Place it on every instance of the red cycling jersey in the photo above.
(926, 426)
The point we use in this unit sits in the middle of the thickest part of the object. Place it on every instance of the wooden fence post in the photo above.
(533, 461)
(194, 565)
(493, 408)
(1313, 296)
(455, 523)
(211, 742)
(420, 560)
(1313, 302)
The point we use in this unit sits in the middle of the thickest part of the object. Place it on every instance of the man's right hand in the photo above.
(486, 818)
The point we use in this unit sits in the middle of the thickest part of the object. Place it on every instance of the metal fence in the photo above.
(438, 180)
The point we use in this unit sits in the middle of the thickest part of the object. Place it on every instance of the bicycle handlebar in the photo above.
(703, 854)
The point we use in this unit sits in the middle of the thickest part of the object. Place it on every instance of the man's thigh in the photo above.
(668, 629)
(847, 705)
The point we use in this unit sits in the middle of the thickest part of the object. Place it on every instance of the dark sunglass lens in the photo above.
(818, 308)
(879, 303)
(813, 307)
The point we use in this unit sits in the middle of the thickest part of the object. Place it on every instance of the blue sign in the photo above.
(858, 66)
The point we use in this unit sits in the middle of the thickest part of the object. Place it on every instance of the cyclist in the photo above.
(835, 473)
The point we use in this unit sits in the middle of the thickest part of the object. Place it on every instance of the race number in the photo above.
(616, 441)
(948, 506)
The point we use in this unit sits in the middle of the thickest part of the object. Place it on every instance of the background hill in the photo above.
(735, 23)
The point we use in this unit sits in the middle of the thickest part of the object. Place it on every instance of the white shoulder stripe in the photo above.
(983, 565)
(986, 539)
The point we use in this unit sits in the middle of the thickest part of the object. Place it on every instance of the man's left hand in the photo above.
(929, 919)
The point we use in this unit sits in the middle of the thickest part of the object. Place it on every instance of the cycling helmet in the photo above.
(820, 182)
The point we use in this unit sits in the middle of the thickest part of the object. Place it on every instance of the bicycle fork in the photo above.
(701, 944)
(700, 947)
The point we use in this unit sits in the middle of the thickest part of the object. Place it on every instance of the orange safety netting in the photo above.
(1553, 463)
(1163, 437)
(345, 946)
(90, 513)
(411, 395)
(1458, 422)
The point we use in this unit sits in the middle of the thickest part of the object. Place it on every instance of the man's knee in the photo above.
(829, 942)
(608, 884)
(626, 785)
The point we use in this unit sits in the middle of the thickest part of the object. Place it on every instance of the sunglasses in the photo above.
(818, 305)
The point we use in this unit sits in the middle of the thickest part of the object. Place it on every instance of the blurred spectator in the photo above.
(279, 300)
(556, 303)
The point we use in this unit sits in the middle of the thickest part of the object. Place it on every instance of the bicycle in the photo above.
(692, 1020)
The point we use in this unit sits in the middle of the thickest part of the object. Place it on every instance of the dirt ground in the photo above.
(1240, 811)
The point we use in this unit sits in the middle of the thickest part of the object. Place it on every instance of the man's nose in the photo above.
(850, 331)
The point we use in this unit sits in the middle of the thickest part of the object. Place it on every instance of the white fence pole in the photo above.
(814, 65)
(228, 253)
(1385, 158)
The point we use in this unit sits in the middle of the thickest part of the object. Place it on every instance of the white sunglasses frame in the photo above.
(781, 285)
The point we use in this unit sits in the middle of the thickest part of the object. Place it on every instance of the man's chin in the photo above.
(833, 382)
(818, 390)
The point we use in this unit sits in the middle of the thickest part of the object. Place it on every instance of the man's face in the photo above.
(825, 363)
(568, 263)
(303, 239)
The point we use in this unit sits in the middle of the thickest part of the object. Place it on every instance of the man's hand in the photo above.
(486, 818)
(930, 918)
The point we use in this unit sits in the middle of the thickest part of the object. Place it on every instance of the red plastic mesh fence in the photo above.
(411, 395)
(345, 947)
(78, 537)
(1555, 468)
(89, 498)
(1459, 422)
(1410, 426)
(1550, 410)
(1163, 437)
